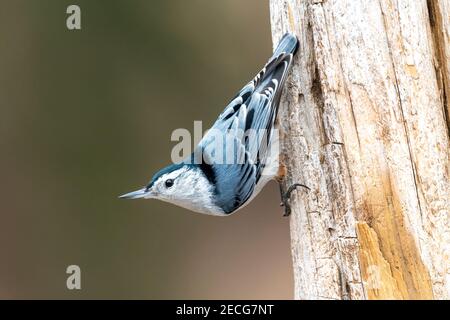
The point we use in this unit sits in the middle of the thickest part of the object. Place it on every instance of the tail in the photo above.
(287, 45)
(276, 69)
(275, 72)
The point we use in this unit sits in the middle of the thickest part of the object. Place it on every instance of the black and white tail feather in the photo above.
(254, 107)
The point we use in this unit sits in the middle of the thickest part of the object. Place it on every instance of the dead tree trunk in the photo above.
(365, 124)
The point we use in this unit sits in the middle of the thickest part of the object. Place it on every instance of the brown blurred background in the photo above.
(87, 115)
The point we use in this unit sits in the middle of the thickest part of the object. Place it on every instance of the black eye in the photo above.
(169, 183)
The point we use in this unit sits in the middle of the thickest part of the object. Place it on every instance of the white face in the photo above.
(187, 188)
(171, 185)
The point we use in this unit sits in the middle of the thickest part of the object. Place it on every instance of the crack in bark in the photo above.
(436, 25)
(397, 89)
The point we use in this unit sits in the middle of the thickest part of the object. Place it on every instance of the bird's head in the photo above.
(182, 184)
(166, 184)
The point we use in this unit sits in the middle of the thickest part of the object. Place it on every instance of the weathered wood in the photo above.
(364, 126)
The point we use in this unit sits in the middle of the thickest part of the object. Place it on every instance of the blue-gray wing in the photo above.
(236, 147)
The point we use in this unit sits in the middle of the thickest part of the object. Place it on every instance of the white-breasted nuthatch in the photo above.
(217, 187)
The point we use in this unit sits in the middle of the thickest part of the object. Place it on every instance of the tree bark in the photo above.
(364, 123)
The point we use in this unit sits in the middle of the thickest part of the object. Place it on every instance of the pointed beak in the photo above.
(141, 193)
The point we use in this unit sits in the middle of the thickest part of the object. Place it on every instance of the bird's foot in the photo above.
(285, 197)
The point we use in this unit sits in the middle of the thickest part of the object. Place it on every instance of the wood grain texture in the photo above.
(364, 125)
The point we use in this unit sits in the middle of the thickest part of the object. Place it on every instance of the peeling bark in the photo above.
(364, 125)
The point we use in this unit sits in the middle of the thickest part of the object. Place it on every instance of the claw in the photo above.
(285, 197)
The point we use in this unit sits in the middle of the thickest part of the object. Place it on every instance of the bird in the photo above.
(204, 182)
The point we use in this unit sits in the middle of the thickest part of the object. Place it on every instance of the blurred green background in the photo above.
(87, 115)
